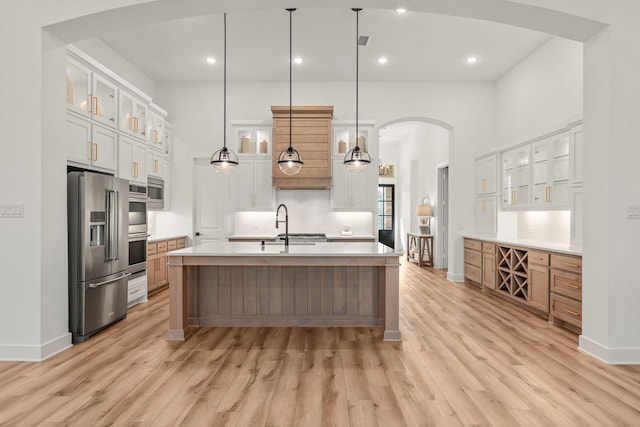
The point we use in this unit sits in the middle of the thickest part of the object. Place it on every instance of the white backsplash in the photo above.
(309, 212)
(541, 226)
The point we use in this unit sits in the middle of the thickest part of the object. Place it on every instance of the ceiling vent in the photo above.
(363, 40)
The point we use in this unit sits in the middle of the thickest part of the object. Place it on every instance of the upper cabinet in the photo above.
(516, 177)
(90, 144)
(133, 116)
(486, 173)
(352, 191)
(344, 137)
(551, 171)
(155, 129)
(90, 94)
(542, 173)
(251, 138)
(311, 133)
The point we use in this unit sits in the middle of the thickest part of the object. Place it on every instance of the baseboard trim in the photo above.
(35, 353)
(455, 277)
(611, 356)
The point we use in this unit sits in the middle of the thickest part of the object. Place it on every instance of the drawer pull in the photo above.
(135, 292)
(568, 285)
(573, 313)
(572, 265)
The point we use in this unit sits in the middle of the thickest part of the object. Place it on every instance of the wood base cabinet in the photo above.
(488, 265)
(157, 278)
(566, 291)
(473, 261)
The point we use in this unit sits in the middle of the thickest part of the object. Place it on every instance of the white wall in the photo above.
(541, 94)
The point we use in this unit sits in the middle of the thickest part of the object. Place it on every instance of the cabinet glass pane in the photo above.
(77, 87)
(540, 152)
(105, 102)
(126, 113)
(561, 147)
(540, 173)
(561, 169)
(141, 114)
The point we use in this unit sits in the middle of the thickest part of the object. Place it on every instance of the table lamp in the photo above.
(425, 213)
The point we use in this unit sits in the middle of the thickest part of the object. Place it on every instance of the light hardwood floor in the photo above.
(466, 359)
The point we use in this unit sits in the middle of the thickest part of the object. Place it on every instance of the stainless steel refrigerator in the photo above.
(98, 222)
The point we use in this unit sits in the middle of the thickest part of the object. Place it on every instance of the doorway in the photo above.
(442, 237)
(386, 214)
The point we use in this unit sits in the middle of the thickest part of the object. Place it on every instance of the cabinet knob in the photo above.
(197, 233)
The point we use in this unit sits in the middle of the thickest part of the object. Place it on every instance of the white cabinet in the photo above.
(252, 185)
(486, 214)
(516, 177)
(251, 138)
(155, 130)
(486, 173)
(551, 172)
(91, 94)
(155, 163)
(132, 163)
(90, 144)
(352, 191)
(344, 137)
(576, 155)
(133, 116)
(167, 132)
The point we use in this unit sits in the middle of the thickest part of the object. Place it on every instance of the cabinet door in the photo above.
(242, 180)
(340, 187)
(486, 214)
(516, 177)
(154, 163)
(78, 139)
(489, 271)
(360, 188)
(152, 280)
(155, 131)
(104, 148)
(576, 155)
(104, 100)
(538, 277)
(262, 189)
(162, 270)
(132, 160)
(486, 175)
(78, 88)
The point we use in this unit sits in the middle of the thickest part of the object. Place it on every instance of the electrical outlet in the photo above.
(12, 210)
(633, 212)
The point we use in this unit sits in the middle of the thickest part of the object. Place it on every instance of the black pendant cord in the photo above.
(357, 10)
(224, 90)
(290, 76)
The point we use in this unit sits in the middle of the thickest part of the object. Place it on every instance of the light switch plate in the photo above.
(633, 212)
(12, 210)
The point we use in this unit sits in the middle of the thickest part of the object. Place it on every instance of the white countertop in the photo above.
(533, 244)
(318, 249)
(157, 238)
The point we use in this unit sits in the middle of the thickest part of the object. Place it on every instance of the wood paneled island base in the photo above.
(243, 284)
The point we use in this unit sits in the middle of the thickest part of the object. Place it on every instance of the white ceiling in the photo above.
(419, 46)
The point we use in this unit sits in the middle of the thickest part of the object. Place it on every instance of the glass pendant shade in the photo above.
(356, 160)
(290, 162)
(224, 161)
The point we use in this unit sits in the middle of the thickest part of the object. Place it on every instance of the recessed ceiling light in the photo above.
(472, 60)
(297, 60)
(401, 10)
(382, 60)
(210, 60)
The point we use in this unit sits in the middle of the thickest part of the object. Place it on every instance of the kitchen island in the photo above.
(249, 284)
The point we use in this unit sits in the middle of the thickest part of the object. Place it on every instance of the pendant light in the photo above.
(289, 160)
(356, 160)
(224, 160)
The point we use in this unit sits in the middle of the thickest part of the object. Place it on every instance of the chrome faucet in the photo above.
(286, 222)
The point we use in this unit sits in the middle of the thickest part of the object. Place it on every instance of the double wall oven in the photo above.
(138, 230)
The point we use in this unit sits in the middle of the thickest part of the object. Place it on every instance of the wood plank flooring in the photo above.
(466, 359)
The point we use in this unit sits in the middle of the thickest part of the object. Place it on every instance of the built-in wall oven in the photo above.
(155, 188)
(138, 230)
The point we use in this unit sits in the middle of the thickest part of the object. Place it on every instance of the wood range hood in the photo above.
(311, 133)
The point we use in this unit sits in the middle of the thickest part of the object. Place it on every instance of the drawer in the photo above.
(567, 262)
(567, 284)
(473, 273)
(473, 257)
(181, 243)
(488, 248)
(137, 289)
(152, 248)
(162, 246)
(473, 244)
(172, 245)
(541, 258)
(566, 309)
